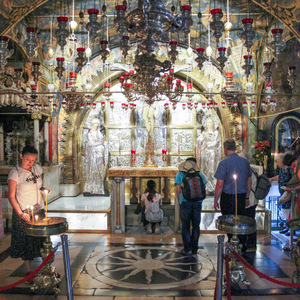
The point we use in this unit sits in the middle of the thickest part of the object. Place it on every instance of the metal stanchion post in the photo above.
(64, 240)
(293, 198)
(221, 238)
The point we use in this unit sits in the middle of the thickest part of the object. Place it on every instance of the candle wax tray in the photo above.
(46, 227)
(242, 225)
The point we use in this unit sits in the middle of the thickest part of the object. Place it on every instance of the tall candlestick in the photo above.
(236, 203)
(32, 214)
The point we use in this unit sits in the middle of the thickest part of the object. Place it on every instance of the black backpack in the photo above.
(192, 186)
(263, 186)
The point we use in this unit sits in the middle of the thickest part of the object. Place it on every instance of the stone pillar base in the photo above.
(69, 190)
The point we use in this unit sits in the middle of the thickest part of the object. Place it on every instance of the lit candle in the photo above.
(46, 191)
(32, 214)
(36, 219)
(236, 203)
(119, 145)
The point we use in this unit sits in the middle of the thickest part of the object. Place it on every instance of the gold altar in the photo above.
(117, 176)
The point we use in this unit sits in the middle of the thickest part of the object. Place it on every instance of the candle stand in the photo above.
(239, 225)
(47, 278)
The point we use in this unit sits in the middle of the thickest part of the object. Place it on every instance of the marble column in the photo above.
(36, 131)
(46, 139)
(118, 205)
(1, 144)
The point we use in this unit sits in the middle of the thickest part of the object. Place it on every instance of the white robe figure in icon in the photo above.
(96, 159)
(209, 152)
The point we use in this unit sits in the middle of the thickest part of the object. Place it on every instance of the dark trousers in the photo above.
(227, 204)
(252, 237)
(190, 212)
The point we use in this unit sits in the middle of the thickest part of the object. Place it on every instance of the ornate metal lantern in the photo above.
(80, 58)
(62, 32)
(187, 20)
(120, 20)
(173, 53)
(31, 42)
(35, 71)
(277, 45)
(18, 79)
(4, 52)
(229, 91)
(267, 73)
(103, 50)
(60, 67)
(200, 59)
(125, 45)
(222, 58)
(248, 34)
(217, 25)
(247, 66)
(93, 26)
(292, 76)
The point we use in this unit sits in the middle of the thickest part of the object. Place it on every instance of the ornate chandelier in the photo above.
(159, 87)
(151, 23)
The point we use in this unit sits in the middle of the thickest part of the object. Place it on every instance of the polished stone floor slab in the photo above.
(116, 267)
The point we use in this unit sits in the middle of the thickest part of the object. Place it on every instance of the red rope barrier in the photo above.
(244, 262)
(227, 277)
(37, 270)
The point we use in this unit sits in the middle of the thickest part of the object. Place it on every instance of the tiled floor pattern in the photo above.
(133, 267)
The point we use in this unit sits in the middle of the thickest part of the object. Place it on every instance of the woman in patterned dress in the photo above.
(24, 182)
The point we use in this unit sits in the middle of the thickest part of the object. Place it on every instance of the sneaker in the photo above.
(30, 280)
(157, 228)
(186, 252)
(284, 231)
(149, 228)
(251, 249)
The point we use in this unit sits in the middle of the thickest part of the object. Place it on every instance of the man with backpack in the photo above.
(190, 191)
(225, 186)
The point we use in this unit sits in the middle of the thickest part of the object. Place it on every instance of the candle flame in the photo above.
(46, 191)
(234, 176)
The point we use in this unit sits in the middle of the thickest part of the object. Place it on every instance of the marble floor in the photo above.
(115, 267)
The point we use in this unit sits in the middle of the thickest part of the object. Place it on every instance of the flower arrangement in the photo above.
(261, 148)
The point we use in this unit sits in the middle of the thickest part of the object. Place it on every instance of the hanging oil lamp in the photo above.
(62, 32)
(80, 58)
(4, 52)
(93, 26)
(217, 25)
(173, 53)
(247, 66)
(248, 34)
(31, 43)
(222, 58)
(200, 59)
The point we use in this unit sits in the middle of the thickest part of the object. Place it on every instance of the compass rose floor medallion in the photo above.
(143, 268)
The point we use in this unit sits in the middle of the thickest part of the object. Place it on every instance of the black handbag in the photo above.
(138, 209)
